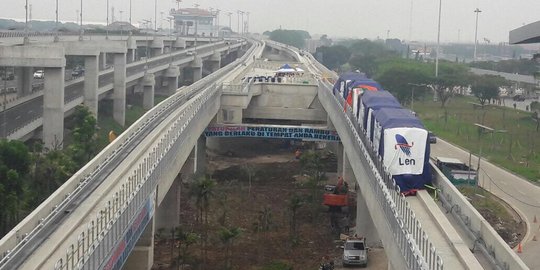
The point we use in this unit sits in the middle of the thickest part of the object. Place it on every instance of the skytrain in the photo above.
(395, 133)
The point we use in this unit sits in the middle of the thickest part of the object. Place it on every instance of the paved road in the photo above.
(376, 260)
(518, 192)
(520, 105)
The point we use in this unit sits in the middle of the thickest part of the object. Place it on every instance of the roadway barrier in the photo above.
(483, 234)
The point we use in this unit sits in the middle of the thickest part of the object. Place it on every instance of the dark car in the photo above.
(432, 138)
(518, 98)
(78, 71)
(7, 76)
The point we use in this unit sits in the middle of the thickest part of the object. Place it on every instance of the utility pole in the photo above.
(82, 30)
(129, 12)
(107, 28)
(477, 11)
(56, 38)
(26, 39)
(438, 42)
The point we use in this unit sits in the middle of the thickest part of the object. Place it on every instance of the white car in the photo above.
(191, 52)
(39, 74)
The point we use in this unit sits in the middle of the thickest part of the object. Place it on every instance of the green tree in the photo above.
(402, 80)
(334, 56)
(84, 144)
(294, 38)
(185, 241)
(486, 87)
(203, 190)
(451, 75)
(227, 237)
(294, 204)
(535, 108)
(14, 168)
(50, 171)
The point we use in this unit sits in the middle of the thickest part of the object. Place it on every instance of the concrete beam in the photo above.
(93, 47)
(142, 255)
(285, 113)
(32, 56)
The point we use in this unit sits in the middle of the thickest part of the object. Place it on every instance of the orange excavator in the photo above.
(336, 195)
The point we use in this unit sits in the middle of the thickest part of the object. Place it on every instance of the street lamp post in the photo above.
(81, 30)
(477, 11)
(438, 41)
(107, 27)
(129, 12)
(56, 38)
(26, 40)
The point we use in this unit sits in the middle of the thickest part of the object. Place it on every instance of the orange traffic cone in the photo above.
(535, 221)
(534, 238)
(520, 249)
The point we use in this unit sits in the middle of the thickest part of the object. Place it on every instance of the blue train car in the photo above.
(401, 139)
(370, 102)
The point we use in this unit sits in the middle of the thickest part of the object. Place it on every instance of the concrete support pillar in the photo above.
(102, 61)
(179, 44)
(348, 174)
(215, 62)
(25, 77)
(172, 74)
(196, 66)
(142, 255)
(148, 84)
(131, 55)
(119, 93)
(156, 46)
(131, 45)
(199, 166)
(364, 223)
(91, 83)
(168, 212)
(53, 108)
(340, 154)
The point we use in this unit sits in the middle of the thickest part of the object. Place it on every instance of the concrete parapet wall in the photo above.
(480, 227)
(458, 245)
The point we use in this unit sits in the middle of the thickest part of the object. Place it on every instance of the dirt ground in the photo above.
(241, 200)
(276, 177)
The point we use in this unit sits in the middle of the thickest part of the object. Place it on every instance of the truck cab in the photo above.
(456, 171)
(355, 252)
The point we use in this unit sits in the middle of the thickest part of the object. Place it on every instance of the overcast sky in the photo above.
(343, 18)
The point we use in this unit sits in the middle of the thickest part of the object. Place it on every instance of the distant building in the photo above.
(194, 21)
(312, 45)
(121, 26)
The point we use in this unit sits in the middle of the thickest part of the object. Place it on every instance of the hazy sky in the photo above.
(345, 18)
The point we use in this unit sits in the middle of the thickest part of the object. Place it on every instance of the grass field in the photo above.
(513, 144)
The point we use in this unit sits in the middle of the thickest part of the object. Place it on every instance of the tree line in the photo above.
(29, 173)
(409, 79)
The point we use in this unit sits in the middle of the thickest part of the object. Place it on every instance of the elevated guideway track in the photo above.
(148, 146)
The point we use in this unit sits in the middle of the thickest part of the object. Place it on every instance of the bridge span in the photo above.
(105, 211)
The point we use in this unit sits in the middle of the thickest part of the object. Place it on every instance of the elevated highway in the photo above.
(25, 114)
(109, 205)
